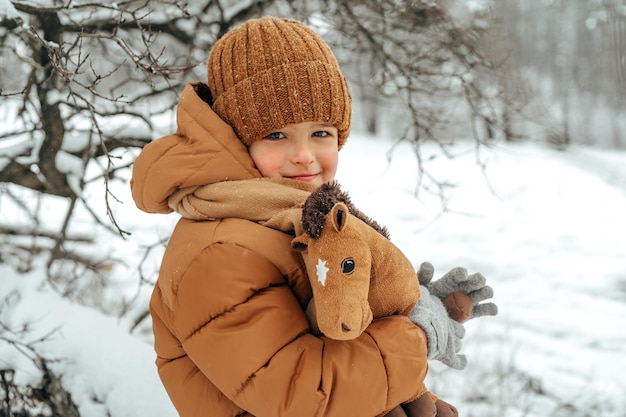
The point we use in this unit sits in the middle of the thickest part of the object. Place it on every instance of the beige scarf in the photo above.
(272, 202)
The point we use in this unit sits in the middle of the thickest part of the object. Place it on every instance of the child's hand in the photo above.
(444, 334)
(457, 280)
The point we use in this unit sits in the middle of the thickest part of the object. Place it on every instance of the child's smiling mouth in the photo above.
(304, 177)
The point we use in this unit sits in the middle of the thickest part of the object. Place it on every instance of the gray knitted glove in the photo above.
(474, 286)
(444, 334)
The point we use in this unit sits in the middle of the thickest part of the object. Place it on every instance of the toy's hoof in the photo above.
(459, 306)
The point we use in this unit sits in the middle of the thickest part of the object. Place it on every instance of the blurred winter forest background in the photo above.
(85, 85)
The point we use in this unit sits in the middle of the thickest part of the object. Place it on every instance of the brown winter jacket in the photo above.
(231, 335)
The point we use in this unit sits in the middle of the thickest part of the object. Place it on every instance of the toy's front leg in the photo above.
(445, 409)
(396, 412)
(422, 406)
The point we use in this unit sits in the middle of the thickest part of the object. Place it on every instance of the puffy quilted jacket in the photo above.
(231, 336)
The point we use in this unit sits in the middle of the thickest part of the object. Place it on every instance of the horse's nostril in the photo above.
(344, 327)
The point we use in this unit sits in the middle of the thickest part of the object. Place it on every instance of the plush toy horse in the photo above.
(356, 273)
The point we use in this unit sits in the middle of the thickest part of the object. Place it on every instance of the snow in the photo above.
(73, 167)
(103, 366)
(7, 10)
(546, 227)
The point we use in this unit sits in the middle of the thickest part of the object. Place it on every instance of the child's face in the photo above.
(305, 151)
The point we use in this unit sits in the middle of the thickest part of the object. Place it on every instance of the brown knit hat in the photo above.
(272, 72)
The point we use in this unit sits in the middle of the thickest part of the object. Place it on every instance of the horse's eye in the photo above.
(347, 266)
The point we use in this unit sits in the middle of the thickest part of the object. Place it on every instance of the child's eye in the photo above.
(320, 133)
(275, 136)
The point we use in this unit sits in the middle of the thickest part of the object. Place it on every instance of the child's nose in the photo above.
(302, 152)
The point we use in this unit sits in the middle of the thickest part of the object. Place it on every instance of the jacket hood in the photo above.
(204, 150)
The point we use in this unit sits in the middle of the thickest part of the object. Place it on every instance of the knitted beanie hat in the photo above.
(272, 72)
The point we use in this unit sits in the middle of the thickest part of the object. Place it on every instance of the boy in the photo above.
(231, 334)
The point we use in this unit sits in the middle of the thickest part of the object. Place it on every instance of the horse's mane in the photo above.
(320, 203)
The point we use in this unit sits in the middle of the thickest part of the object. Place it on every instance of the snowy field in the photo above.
(547, 228)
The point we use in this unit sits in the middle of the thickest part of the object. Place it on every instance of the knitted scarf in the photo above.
(272, 202)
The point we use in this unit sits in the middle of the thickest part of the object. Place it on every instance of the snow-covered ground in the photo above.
(547, 228)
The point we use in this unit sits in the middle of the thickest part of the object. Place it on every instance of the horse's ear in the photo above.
(300, 243)
(339, 215)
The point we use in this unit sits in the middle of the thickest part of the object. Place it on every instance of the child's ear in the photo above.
(339, 216)
(300, 243)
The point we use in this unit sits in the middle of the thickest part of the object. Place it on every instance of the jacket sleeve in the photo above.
(242, 326)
